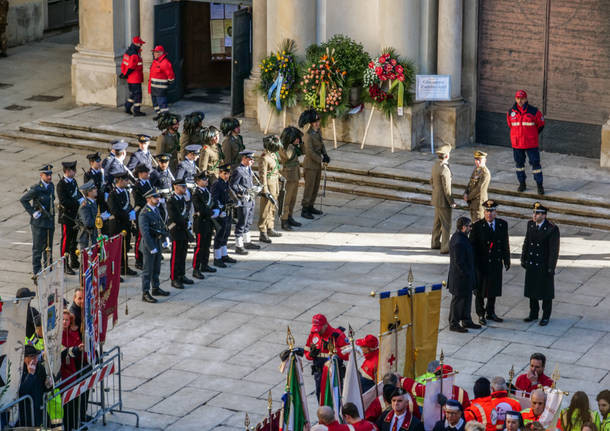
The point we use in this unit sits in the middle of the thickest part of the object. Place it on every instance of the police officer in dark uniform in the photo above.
(141, 156)
(142, 186)
(162, 178)
(221, 194)
(96, 174)
(178, 224)
(69, 200)
(153, 232)
(489, 239)
(204, 210)
(187, 168)
(241, 182)
(113, 163)
(122, 217)
(87, 213)
(539, 258)
(39, 202)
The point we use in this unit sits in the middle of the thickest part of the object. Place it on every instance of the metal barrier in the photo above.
(88, 395)
(15, 413)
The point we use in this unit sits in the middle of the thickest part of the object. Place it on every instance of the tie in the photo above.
(395, 426)
(491, 225)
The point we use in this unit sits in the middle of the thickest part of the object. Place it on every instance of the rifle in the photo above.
(281, 196)
(258, 191)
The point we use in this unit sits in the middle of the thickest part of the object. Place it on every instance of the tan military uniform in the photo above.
(269, 172)
(210, 159)
(231, 147)
(186, 139)
(312, 166)
(169, 143)
(3, 26)
(477, 191)
(442, 201)
(292, 172)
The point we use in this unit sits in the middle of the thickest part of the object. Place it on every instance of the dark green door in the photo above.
(168, 33)
(241, 61)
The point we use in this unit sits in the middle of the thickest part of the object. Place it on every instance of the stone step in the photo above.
(59, 141)
(391, 184)
(102, 130)
(38, 129)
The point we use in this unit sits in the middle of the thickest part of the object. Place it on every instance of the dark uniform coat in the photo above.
(162, 180)
(139, 190)
(203, 203)
(491, 253)
(140, 157)
(178, 217)
(119, 207)
(112, 166)
(241, 182)
(231, 147)
(539, 258)
(461, 278)
(87, 234)
(68, 196)
(99, 180)
(187, 170)
(43, 200)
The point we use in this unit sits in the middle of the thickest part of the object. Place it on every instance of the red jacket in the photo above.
(419, 390)
(161, 75)
(479, 410)
(364, 426)
(336, 426)
(523, 383)
(132, 65)
(321, 342)
(369, 365)
(500, 404)
(525, 124)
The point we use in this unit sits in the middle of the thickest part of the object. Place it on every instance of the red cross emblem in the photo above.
(391, 360)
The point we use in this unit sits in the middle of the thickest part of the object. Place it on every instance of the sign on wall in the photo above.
(432, 87)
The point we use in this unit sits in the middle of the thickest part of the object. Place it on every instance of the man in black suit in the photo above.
(69, 200)
(178, 224)
(461, 278)
(399, 418)
(141, 187)
(539, 258)
(489, 239)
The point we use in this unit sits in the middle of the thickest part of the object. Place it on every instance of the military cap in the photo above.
(225, 168)
(202, 175)
(289, 135)
(69, 165)
(30, 350)
(121, 176)
(247, 153)
(24, 292)
(317, 322)
(444, 149)
(89, 185)
(94, 157)
(489, 205)
(152, 193)
(119, 145)
(143, 139)
(539, 208)
(454, 406)
(369, 341)
(47, 169)
(179, 182)
(479, 154)
(163, 157)
(141, 167)
(398, 392)
(307, 117)
(193, 148)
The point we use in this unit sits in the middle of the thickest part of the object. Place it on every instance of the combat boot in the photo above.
(286, 225)
(293, 222)
(197, 274)
(273, 233)
(306, 213)
(315, 211)
(263, 238)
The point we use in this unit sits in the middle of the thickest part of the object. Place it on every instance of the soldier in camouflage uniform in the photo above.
(192, 132)
(169, 140)
(476, 191)
(269, 170)
(211, 155)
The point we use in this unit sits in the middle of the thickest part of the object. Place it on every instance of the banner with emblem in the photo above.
(552, 409)
(13, 317)
(392, 352)
(431, 412)
(50, 292)
(92, 311)
(109, 271)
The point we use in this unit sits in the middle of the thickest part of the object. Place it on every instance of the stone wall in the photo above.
(25, 21)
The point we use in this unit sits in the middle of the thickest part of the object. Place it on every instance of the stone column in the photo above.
(292, 19)
(450, 43)
(427, 41)
(399, 26)
(259, 50)
(470, 40)
(95, 65)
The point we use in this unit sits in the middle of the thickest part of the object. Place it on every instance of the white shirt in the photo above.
(400, 419)
(492, 225)
(457, 425)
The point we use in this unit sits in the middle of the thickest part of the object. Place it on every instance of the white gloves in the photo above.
(154, 251)
(223, 214)
(36, 214)
(81, 200)
(105, 215)
(162, 200)
(166, 243)
(132, 215)
(215, 213)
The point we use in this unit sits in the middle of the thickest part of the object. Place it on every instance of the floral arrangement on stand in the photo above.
(279, 76)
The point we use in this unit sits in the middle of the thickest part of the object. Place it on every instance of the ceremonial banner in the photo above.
(109, 277)
(392, 352)
(50, 292)
(552, 409)
(92, 311)
(330, 387)
(369, 396)
(13, 315)
(352, 393)
(432, 409)
(427, 310)
(294, 411)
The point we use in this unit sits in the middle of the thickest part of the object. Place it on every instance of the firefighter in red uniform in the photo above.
(419, 390)
(525, 123)
(317, 347)
(370, 350)
(133, 71)
(161, 76)
(480, 406)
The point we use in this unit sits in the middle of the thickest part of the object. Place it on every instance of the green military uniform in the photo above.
(442, 201)
(232, 145)
(476, 191)
(292, 172)
(190, 139)
(3, 27)
(269, 171)
(210, 159)
(312, 166)
(169, 143)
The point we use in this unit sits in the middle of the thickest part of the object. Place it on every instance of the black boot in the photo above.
(273, 233)
(241, 251)
(306, 213)
(315, 211)
(286, 225)
(147, 297)
(219, 263)
(251, 246)
(263, 238)
(67, 269)
(228, 259)
(293, 222)
(159, 292)
(138, 113)
(74, 262)
(540, 191)
(521, 187)
(197, 274)
(208, 268)
(177, 284)
(186, 280)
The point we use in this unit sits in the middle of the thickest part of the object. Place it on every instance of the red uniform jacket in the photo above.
(364, 426)
(321, 342)
(378, 406)
(479, 410)
(500, 404)
(369, 366)
(419, 390)
(336, 426)
(523, 383)
(525, 124)
(132, 65)
(161, 75)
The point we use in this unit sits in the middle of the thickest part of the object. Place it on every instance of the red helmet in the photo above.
(521, 94)
(138, 40)
(159, 48)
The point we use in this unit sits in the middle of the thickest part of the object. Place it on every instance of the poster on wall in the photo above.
(228, 32)
(217, 11)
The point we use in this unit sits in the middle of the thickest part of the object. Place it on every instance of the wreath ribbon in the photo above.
(401, 92)
(323, 95)
(277, 87)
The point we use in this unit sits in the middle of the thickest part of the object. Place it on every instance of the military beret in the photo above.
(179, 182)
(398, 392)
(225, 168)
(479, 154)
(163, 157)
(30, 350)
(490, 205)
(247, 153)
(193, 148)
(539, 208)
(89, 185)
(69, 165)
(47, 169)
(119, 145)
(152, 193)
(141, 167)
(444, 149)
(94, 157)
(143, 138)
(203, 175)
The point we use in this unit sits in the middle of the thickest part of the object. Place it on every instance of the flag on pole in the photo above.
(92, 311)
(352, 393)
(432, 409)
(330, 386)
(50, 292)
(294, 410)
(392, 352)
(12, 334)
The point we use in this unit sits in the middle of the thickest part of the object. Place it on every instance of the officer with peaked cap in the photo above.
(242, 183)
(154, 234)
(539, 258)
(441, 200)
(204, 210)
(87, 213)
(96, 174)
(399, 418)
(142, 186)
(454, 420)
(39, 202)
(221, 195)
(122, 217)
(476, 190)
(69, 200)
(188, 167)
(142, 156)
(489, 239)
(178, 224)
(113, 163)
(162, 178)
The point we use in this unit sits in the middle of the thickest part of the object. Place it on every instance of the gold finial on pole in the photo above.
(410, 277)
(289, 338)
(99, 223)
(555, 376)
(444, 283)
(372, 294)
(511, 375)
(269, 400)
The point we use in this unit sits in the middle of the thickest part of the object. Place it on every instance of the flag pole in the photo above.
(269, 408)
(410, 279)
(442, 361)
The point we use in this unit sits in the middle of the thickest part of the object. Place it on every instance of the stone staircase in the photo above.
(590, 211)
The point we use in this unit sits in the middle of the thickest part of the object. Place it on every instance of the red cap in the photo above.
(369, 341)
(317, 321)
(138, 40)
(521, 94)
(159, 48)
(447, 369)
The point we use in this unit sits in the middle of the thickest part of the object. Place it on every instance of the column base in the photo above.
(604, 157)
(95, 78)
(251, 97)
(452, 123)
